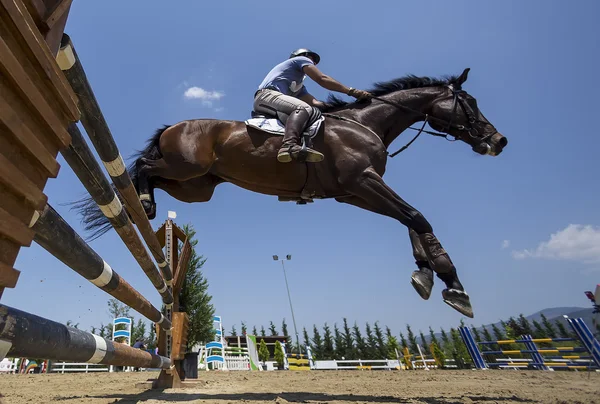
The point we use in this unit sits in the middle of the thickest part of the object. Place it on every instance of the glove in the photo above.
(359, 94)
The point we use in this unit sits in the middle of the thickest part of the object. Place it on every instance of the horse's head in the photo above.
(457, 114)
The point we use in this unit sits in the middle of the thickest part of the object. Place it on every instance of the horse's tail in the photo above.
(92, 218)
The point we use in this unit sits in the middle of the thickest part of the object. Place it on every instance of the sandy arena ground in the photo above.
(433, 387)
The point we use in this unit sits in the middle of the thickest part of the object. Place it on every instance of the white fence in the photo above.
(62, 367)
(8, 365)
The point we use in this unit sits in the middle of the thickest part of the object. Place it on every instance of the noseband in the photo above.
(470, 130)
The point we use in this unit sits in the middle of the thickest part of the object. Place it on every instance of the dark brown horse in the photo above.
(189, 159)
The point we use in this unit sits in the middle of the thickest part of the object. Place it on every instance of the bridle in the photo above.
(470, 130)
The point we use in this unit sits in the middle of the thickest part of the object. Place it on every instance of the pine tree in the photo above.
(286, 334)
(244, 329)
(446, 344)
(263, 332)
(194, 298)
(361, 346)
(438, 355)
(306, 339)
(340, 346)
(391, 343)
(263, 351)
(412, 341)
(486, 334)
(525, 325)
(461, 355)
(514, 325)
(254, 332)
(279, 356)
(233, 331)
(272, 329)
(382, 348)
(539, 331)
(403, 341)
(550, 331)
(371, 343)
(432, 337)
(317, 344)
(562, 331)
(424, 345)
(328, 349)
(476, 334)
(138, 333)
(349, 350)
(498, 333)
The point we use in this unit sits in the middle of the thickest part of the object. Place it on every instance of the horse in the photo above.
(190, 158)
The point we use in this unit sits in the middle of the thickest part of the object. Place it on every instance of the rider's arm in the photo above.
(324, 80)
(312, 101)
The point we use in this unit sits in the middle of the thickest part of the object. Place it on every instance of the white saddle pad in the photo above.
(275, 126)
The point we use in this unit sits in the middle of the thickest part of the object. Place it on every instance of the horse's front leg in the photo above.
(373, 194)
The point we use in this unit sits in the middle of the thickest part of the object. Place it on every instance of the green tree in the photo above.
(279, 356)
(412, 341)
(476, 333)
(539, 330)
(340, 346)
(328, 349)
(424, 345)
(233, 331)
(562, 331)
(138, 333)
(371, 343)
(446, 344)
(263, 351)
(515, 327)
(525, 325)
(391, 343)
(286, 334)
(550, 331)
(306, 339)
(438, 355)
(272, 329)
(263, 332)
(254, 332)
(498, 333)
(432, 337)
(486, 334)
(317, 344)
(349, 351)
(382, 347)
(72, 324)
(361, 345)
(194, 298)
(403, 341)
(244, 329)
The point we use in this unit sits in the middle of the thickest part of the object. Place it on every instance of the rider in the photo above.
(282, 92)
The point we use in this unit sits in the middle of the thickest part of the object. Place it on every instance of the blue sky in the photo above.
(522, 228)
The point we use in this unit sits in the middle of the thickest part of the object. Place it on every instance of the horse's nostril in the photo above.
(503, 142)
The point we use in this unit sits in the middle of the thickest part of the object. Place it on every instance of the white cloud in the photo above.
(505, 244)
(206, 96)
(576, 242)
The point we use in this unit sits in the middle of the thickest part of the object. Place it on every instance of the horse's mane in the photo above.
(383, 88)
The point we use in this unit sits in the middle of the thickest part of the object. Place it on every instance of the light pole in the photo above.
(289, 257)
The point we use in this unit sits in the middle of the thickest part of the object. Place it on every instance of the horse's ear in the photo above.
(463, 77)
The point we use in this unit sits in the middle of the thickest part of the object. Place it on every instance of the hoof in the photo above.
(422, 281)
(149, 209)
(459, 301)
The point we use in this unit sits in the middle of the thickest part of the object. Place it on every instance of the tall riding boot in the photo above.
(291, 149)
(454, 295)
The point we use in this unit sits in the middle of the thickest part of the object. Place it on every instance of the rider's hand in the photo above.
(359, 94)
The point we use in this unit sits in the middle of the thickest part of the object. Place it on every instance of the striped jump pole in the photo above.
(467, 337)
(99, 133)
(24, 335)
(59, 239)
(84, 164)
(587, 337)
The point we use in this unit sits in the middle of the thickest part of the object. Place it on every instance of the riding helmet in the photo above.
(306, 52)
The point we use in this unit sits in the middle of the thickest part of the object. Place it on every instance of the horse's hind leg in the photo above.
(374, 192)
